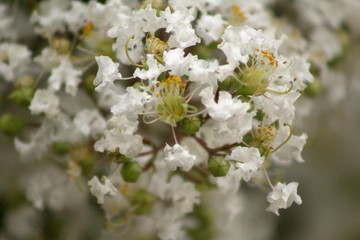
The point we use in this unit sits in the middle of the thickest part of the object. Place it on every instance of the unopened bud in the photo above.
(22, 96)
(190, 125)
(218, 166)
(228, 83)
(143, 201)
(61, 148)
(131, 171)
(11, 124)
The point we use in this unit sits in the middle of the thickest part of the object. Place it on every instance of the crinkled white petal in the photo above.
(107, 73)
(248, 161)
(121, 136)
(131, 103)
(176, 62)
(66, 74)
(99, 190)
(178, 156)
(210, 27)
(90, 122)
(17, 57)
(225, 108)
(155, 69)
(45, 101)
(282, 196)
(290, 150)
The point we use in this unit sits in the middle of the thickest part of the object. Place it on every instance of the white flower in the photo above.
(45, 101)
(14, 60)
(210, 27)
(131, 103)
(219, 132)
(278, 107)
(204, 72)
(121, 136)
(240, 42)
(90, 122)
(49, 58)
(50, 15)
(155, 69)
(107, 73)
(283, 196)
(178, 156)
(248, 161)
(225, 108)
(176, 62)
(65, 73)
(291, 150)
(99, 190)
(179, 24)
(77, 16)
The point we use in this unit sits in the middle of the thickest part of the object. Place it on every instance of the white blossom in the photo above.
(45, 101)
(107, 73)
(178, 156)
(248, 162)
(99, 190)
(120, 135)
(66, 74)
(282, 196)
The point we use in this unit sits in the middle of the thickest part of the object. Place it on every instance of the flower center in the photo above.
(155, 46)
(172, 102)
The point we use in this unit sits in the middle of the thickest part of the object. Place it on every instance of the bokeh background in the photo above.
(329, 178)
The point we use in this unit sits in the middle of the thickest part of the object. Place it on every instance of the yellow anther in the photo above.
(124, 188)
(87, 29)
(240, 15)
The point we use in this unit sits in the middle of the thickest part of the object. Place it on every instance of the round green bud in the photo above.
(61, 148)
(190, 125)
(11, 124)
(143, 200)
(88, 163)
(313, 89)
(218, 166)
(131, 171)
(22, 96)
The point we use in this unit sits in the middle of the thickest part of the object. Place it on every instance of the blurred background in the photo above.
(329, 179)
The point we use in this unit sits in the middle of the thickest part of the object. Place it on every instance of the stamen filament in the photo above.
(127, 53)
(287, 139)
(280, 93)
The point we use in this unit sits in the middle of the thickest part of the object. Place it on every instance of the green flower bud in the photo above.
(228, 83)
(131, 171)
(11, 124)
(313, 89)
(87, 164)
(61, 148)
(143, 200)
(22, 96)
(190, 125)
(218, 166)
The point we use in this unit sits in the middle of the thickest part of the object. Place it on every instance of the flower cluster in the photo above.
(167, 102)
